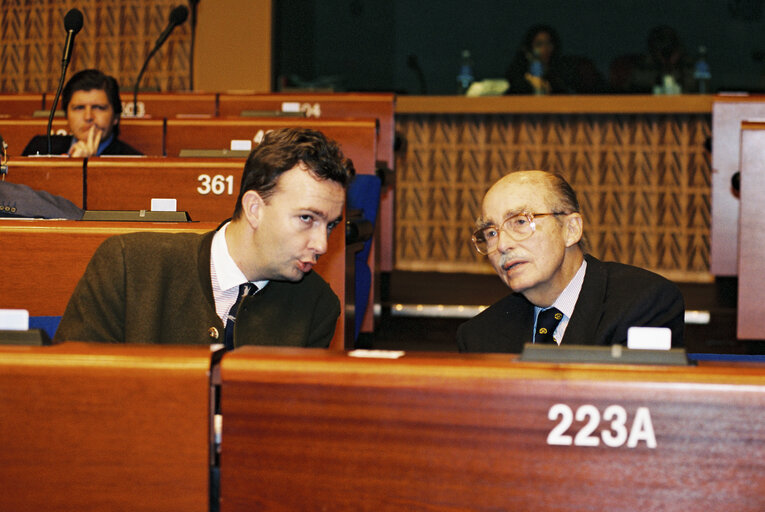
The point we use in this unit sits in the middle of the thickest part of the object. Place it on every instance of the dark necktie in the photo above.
(547, 321)
(245, 289)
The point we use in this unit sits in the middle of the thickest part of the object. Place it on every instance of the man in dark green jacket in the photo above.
(250, 279)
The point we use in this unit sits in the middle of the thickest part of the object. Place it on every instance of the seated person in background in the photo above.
(186, 288)
(539, 49)
(647, 74)
(92, 104)
(531, 230)
(558, 73)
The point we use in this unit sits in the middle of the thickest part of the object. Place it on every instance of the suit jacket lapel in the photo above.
(519, 327)
(204, 267)
(583, 326)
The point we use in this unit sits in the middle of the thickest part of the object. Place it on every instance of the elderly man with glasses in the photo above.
(532, 232)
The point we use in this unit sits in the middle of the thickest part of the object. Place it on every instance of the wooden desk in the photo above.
(637, 163)
(62, 176)
(206, 188)
(94, 427)
(19, 104)
(336, 105)
(316, 430)
(52, 256)
(159, 105)
(727, 114)
(357, 137)
(146, 135)
(751, 230)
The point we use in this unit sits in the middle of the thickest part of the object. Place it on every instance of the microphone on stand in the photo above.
(177, 16)
(72, 24)
(193, 22)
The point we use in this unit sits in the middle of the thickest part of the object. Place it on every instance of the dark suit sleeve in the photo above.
(95, 311)
(17, 200)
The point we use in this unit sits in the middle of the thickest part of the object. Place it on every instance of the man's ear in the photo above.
(252, 208)
(574, 229)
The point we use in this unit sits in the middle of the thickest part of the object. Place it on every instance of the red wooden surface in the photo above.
(128, 183)
(20, 104)
(93, 427)
(146, 135)
(61, 176)
(313, 430)
(158, 105)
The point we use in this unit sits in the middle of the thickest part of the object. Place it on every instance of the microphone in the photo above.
(177, 17)
(72, 24)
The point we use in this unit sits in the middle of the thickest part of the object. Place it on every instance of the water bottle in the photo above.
(465, 75)
(536, 70)
(701, 72)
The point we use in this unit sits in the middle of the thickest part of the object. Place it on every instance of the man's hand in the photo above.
(89, 147)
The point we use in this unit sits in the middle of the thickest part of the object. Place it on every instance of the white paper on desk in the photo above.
(241, 145)
(14, 319)
(649, 338)
(163, 205)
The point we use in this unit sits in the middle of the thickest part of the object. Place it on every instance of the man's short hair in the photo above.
(281, 150)
(88, 80)
(564, 200)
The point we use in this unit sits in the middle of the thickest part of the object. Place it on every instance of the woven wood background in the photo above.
(643, 182)
(116, 38)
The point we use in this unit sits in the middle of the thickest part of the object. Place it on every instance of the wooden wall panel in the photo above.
(643, 181)
(116, 37)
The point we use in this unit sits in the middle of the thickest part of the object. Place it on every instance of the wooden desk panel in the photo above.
(94, 427)
(146, 135)
(52, 255)
(206, 188)
(727, 114)
(322, 105)
(356, 137)
(158, 105)
(315, 430)
(751, 230)
(61, 176)
(19, 104)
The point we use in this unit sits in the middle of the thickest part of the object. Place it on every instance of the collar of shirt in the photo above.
(566, 302)
(225, 275)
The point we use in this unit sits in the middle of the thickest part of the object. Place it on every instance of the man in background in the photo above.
(92, 104)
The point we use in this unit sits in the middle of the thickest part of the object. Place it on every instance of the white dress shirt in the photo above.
(566, 302)
(225, 275)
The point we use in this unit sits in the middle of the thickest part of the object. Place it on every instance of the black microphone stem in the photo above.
(138, 80)
(65, 64)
